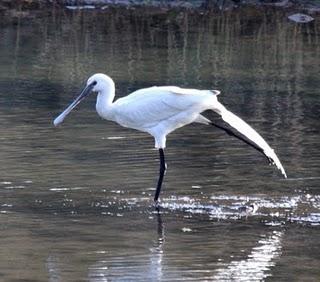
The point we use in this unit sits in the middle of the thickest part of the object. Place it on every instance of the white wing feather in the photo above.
(250, 133)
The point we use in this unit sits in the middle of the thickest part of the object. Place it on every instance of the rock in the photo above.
(301, 18)
(80, 7)
(283, 4)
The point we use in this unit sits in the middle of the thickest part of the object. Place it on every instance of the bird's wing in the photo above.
(187, 91)
(147, 107)
(246, 130)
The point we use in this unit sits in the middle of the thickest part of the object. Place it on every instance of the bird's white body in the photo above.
(157, 110)
(160, 110)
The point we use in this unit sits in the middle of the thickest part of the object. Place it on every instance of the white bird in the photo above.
(160, 110)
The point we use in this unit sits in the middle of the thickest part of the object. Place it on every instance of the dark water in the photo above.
(76, 201)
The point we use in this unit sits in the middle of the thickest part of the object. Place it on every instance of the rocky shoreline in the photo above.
(311, 6)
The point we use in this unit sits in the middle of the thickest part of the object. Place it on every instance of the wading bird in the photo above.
(160, 110)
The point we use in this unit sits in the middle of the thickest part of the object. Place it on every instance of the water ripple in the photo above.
(256, 267)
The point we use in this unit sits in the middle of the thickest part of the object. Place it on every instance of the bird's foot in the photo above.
(248, 208)
(157, 205)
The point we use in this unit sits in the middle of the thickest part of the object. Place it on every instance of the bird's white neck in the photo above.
(104, 101)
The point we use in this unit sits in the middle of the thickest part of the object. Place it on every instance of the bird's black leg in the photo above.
(161, 174)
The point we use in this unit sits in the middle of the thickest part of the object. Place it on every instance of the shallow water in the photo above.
(76, 201)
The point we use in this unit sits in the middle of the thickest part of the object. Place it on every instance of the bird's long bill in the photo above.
(85, 92)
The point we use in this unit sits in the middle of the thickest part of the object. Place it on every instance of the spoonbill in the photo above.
(159, 110)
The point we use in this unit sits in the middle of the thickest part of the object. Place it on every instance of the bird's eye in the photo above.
(94, 83)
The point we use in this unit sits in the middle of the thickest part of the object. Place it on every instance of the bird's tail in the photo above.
(246, 130)
(215, 92)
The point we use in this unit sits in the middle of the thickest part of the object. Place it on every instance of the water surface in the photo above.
(76, 201)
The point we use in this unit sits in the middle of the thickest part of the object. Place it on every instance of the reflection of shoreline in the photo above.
(258, 263)
(184, 58)
(165, 4)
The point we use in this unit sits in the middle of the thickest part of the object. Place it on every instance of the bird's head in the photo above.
(96, 83)
(100, 82)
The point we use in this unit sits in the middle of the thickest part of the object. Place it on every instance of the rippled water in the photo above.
(76, 201)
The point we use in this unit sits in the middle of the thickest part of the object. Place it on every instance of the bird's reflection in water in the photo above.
(146, 267)
(153, 264)
(53, 268)
(258, 263)
(156, 252)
